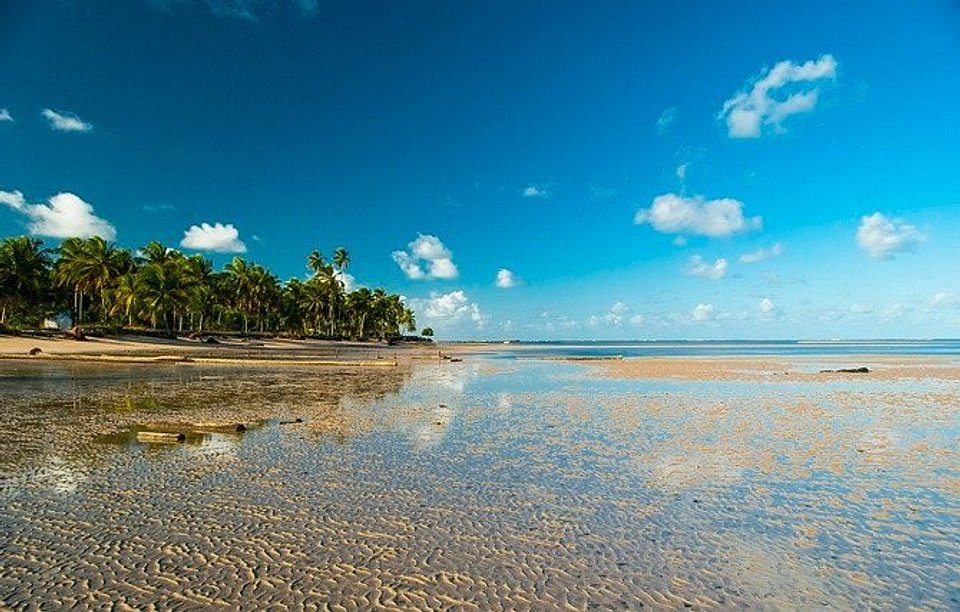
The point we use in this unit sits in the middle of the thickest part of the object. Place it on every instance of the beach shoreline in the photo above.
(268, 352)
(248, 352)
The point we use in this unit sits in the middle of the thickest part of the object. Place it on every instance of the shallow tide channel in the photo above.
(489, 484)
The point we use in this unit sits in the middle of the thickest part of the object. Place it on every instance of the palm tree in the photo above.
(313, 303)
(126, 298)
(291, 311)
(407, 320)
(163, 289)
(315, 261)
(333, 288)
(341, 259)
(264, 294)
(24, 270)
(68, 273)
(156, 252)
(197, 271)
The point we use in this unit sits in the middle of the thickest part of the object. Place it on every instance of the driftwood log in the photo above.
(160, 437)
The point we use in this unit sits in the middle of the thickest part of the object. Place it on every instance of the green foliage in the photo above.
(427, 332)
(161, 288)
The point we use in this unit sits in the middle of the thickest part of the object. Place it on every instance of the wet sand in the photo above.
(489, 484)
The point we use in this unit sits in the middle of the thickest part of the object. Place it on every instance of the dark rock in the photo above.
(210, 340)
(35, 351)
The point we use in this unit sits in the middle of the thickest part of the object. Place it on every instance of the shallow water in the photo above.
(491, 484)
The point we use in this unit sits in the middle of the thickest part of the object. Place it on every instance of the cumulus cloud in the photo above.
(702, 312)
(5, 115)
(426, 258)
(218, 238)
(346, 279)
(65, 122)
(676, 214)
(881, 236)
(446, 309)
(535, 191)
(618, 311)
(64, 215)
(698, 267)
(787, 89)
(666, 120)
(762, 254)
(506, 279)
(767, 307)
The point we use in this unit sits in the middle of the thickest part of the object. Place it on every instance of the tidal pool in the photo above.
(490, 484)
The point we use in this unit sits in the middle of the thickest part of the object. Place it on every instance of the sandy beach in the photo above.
(249, 352)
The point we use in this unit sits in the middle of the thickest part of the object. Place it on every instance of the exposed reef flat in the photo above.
(485, 485)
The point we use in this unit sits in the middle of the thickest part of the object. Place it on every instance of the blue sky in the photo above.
(640, 169)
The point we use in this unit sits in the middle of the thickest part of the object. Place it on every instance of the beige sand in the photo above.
(145, 350)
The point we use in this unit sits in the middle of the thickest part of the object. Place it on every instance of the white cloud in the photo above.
(675, 214)
(218, 238)
(881, 236)
(702, 312)
(614, 316)
(64, 215)
(679, 241)
(506, 279)
(894, 311)
(666, 120)
(698, 267)
(426, 258)
(944, 299)
(762, 254)
(535, 191)
(65, 122)
(787, 89)
(682, 171)
(636, 319)
(767, 307)
(347, 279)
(445, 309)
(5, 115)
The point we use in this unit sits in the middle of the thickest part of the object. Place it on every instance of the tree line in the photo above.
(160, 288)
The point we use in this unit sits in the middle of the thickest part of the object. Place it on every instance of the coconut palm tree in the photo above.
(341, 259)
(125, 298)
(197, 271)
(24, 273)
(68, 273)
(163, 290)
(156, 252)
(91, 267)
(359, 305)
(316, 262)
